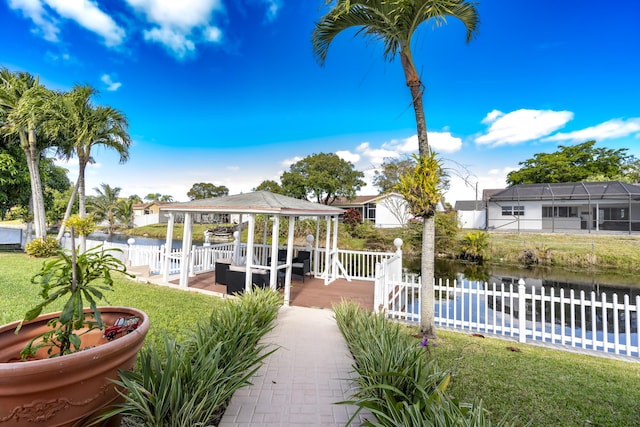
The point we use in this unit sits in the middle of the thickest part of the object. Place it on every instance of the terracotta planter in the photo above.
(67, 390)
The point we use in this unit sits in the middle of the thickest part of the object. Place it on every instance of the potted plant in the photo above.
(57, 369)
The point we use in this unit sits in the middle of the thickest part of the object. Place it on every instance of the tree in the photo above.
(166, 198)
(153, 197)
(135, 198)
(575, 163)
(269, 185)
(85, 126)
(23, 103)
(124, 212)
(394, 23)
(105, 206)
(323, 177)
(14, 177)
(388, 177)
(206, 190)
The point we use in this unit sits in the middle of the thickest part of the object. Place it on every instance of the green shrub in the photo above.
(190, 383)
(474, 246)
(397, 379)
(42, 248)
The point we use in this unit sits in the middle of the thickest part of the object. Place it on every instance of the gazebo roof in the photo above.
(259, 202)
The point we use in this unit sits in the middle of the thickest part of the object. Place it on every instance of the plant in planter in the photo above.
(57, 369)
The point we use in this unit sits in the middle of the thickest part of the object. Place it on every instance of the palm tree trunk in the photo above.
(67, 213)
(32, 155)
(82, 207)
(427, 264)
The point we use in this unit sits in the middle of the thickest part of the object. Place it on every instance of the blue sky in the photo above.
(228, 91)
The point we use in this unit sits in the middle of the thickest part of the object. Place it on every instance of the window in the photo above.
(371, 211)
(513, 211)
(559, 211)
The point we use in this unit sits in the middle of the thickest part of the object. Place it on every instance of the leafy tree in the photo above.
(323, 177)
(14, 177)
(387, 179)
(23, 106)
(85, 126)
(206, 190)
(105, 206)
(574, 163)
(269, 185)
(394, 23)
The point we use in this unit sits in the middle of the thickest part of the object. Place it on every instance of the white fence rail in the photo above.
(357, 265)
(603, 323)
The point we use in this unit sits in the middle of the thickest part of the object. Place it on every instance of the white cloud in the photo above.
(521, 125)
(179, 25)
(376, 156)
(348, 156)
(87, 14)
(273, 7)
(46, 25)
(288, 162)
(444, 142)
(111, 85)
(611, 129)
(439, 141)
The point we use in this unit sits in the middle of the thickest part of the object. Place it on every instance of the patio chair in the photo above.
(301, 265)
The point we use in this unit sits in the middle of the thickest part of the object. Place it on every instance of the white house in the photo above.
(384, 210)
(611, 206)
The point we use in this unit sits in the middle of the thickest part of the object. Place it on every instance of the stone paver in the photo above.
(300, 383)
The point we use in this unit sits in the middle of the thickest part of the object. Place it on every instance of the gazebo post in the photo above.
(334, 250)
(328, 256)
(186, 251)
(275, 232)
(249, 263)
(167, 249)
(287, 278)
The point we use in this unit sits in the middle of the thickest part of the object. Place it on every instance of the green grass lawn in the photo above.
(170, 311)
(536, 385)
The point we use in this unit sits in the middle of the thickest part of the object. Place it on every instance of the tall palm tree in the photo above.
(23, 103)
(394, 23)
(87, 126)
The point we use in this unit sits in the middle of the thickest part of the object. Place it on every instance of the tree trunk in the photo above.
(427, 265)
(67, 213)
(82, 208)
(32, 155)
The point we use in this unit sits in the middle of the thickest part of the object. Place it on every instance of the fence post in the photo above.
(131, 241)
(522, 312)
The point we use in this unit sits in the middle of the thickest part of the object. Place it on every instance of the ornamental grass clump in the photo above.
(398, 380)
(190, 383)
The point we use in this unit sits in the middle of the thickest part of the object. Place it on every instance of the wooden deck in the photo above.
(310, 293)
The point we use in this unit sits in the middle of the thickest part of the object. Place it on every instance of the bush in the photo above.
(190, 383)
(398, 381)
(40, 248)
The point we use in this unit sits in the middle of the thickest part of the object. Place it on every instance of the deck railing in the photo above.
(580, 320)
(357, 265)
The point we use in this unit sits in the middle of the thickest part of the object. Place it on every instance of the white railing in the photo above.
(602, 323)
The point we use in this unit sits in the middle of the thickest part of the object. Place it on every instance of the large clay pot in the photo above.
(67, 390)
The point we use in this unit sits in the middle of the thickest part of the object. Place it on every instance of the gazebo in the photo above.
(273, 207)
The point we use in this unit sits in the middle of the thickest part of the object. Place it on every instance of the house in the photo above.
(383, 210)
(473, 213)
(611, 206)
(148, 213)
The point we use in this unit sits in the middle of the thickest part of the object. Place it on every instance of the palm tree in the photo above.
(394, 23)
(86, 126)
(105, 205)
(23, 110)
(125, 212)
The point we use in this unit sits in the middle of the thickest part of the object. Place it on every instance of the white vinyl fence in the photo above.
(590, 321)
